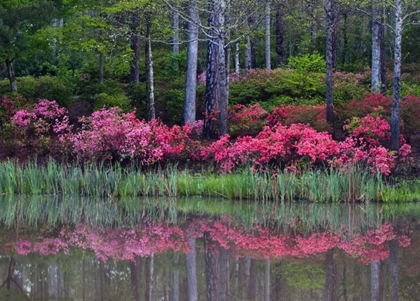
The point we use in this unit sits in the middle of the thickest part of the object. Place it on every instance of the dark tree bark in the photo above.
(223, 98)
(330, 28)
(395, 112)
(135, 46)
(189, 113)
(280, 34)
(267, 36)
(191, 265)
(376, 48)
(150, 94)
(212, 76)
(11, 76)
(101, 67)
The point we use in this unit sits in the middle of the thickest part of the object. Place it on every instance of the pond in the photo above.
(206, 249)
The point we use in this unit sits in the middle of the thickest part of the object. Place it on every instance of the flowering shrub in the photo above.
(246, 120)
(315, 116)
(281, 145)
(112, 134)
(410, 112)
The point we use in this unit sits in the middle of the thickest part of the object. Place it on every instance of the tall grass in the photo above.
(114, 181)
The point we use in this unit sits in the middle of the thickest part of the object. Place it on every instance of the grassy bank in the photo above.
(113, 182)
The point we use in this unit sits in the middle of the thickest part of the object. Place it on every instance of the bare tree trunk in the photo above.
(150, 94)
(191, 265)
(237, 62)
(175, 26)
(376, 48)
(135, 268)
(223, 98)
(149, 278)
(101, 67)
(189, 113)
(212, 269)
(248, 55)
(267, 36)
(382, 47)
(11, 76)
(394, 269)
(280, 34)
(212, 75)
(330, 19)
(135, 46)
(395, 113)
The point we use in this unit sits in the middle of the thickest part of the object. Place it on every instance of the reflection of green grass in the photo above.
(114, 182)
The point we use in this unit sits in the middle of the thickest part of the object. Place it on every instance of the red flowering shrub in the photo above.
(410, 112)
(245, 121)
(315, 116)
(281, 145)
(112, 134)
(364, 145)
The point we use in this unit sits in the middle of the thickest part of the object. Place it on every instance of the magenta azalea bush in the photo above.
(111, 134)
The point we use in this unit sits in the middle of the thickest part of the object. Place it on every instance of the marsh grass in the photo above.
(115, 182)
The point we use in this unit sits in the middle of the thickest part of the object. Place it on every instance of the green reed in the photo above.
(114, 182)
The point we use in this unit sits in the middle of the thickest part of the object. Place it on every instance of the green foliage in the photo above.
(272, 88)
(47, 87)
(313, 62)
(304, 277)
(102, 100)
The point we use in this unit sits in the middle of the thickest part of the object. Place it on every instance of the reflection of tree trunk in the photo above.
(393, 264)
(376, 280)
(191, 264)
(175, 279)
(330, 277)
(224, 274)
(135, 268)
(267, 280)
(11, 75)
(247, 270)
(149, 277)
(212, 269)
(53, 269)
(252, 289)
(102, 276)
(278, 284)
(84, 279)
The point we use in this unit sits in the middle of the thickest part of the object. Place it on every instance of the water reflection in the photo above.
(316, 253)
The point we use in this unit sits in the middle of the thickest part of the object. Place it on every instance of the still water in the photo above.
(197, 249)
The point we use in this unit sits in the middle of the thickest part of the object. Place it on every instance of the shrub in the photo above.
(410, 112)
(246, 121)
(313, 62)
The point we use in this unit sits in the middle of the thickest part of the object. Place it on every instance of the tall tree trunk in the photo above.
(11, 76)
(267, 36)
(237, 62)
(331, 276)
(223, 98)
(382, 47)
(175, 41)
(395, 113)
(248, 55)
(393, 265)
(135, 46)
(101, 67)
(212, 75)
(376, 48)
(150, 93)
(189, 113)
(280, 34)
(267, 280)
(149, 278)
(330, 17)
(212, 269)
(191, 265)
(135, 268)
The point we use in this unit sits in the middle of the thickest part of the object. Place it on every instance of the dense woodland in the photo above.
(186, 61)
